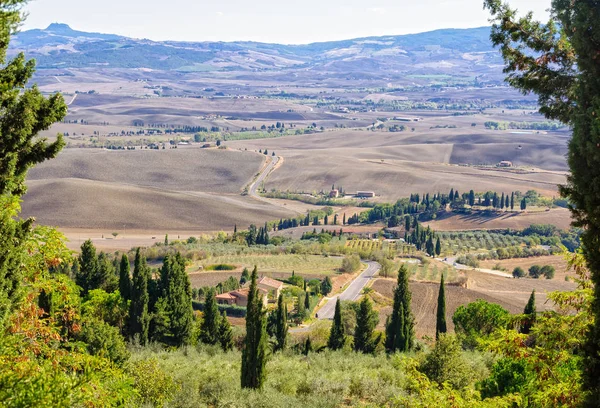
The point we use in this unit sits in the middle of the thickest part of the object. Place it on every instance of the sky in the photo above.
(274, 21)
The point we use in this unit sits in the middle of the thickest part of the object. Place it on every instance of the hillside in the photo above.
(449, 51)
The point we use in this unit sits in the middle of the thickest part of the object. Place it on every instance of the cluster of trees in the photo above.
(523, 125)
(535, 271)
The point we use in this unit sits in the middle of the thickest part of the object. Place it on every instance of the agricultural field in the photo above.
(512, 294)
(557, 261)
(560, 217)
(304, 265)
(458, 242)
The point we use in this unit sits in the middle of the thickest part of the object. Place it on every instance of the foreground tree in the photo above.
(337, 335)
(281, 326)
(400, 328)
(209, 329)
(225, 333)
(440, 323)
(255, 344)
(139, 318)
(529, 313)
(363, 334)
(177, 293)
(124, 278)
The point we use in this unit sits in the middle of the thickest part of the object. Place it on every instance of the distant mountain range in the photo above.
(448, 51)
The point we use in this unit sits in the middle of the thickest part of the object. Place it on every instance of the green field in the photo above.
(301, 264)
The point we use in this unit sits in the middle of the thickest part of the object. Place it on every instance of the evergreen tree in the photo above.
(400, 331)
(337, 335)
(512, 200)
(307, 346)
(565, 75)
(25, 113)
(363, 334)
(255, 343)
(88, 267)
(523, 204)
(326, 286)
(301, 305)
(178, 296)
(344, 219)
(471, 198)
(530, 314)
(225, 333)
(281, 326)
(306, 298)
(124, 278)
(440, 324)
(106, 277)
(166, 240)
(245, 276)
(209, 329)
(139, 318)
(438, 247)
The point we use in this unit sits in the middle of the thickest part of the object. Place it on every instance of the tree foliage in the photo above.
(255, 344)
(558, 61)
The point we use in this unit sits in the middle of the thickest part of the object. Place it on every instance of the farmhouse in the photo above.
(240, 297)
(365, 194)
(271, 286)
(334, 193)
(505, 163)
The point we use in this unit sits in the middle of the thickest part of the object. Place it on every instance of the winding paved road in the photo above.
(452, 262)
(352, 292)
(253, 189)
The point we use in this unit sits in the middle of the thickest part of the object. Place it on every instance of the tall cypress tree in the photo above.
(209, 329)
(255, 344)
(281, 325)
(363, 334)
(512, 200)
(124, 278)
(88, 267)
(225, 333)
(178, 296)
(337, 335)
(530, 314)
(438, 247)
(139, 318)
(400, 330)
(440, 323)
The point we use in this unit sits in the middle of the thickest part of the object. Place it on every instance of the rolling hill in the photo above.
(457, 51)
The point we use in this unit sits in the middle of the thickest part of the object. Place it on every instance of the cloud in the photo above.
(220, 14)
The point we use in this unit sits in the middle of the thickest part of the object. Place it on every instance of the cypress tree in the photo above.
(512, 200)
(326, 286)
(523, 204)
(139, 318)
(178, 296)
(400, 330)
(301, 308)
(88, 267)
(306, 299)
(255, 343)
(440, 323)
(124, 278)
(245, 276)
(337, 336)
(363, 335)
(530, 314)
(209, 329)
(438, 247)
(307, 346)
(281, 326)
(225, 333)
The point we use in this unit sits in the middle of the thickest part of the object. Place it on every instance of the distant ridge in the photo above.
(453, 50)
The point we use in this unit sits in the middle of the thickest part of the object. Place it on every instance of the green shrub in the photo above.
(220, 267)
(351, 264)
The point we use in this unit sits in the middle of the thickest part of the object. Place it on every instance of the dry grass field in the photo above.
(557, 261)
(182, 169)
(512, 294)
(95, 205)
(303, 265)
